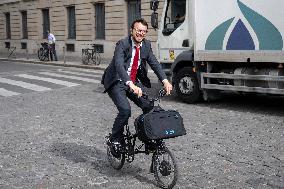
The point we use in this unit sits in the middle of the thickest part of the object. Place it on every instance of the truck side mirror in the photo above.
(154, 20)
(154, 4)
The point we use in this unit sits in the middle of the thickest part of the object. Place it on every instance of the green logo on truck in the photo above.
(268, 35)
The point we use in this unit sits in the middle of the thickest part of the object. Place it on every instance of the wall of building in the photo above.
(115, 24)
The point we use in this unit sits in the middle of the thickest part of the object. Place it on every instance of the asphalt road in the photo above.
(54, 138)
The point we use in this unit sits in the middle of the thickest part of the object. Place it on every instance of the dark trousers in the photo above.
(53, 52)
(120, 94)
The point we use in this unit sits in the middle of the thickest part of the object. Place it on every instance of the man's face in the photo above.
(139, 32)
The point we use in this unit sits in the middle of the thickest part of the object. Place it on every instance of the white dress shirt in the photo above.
(51, 39)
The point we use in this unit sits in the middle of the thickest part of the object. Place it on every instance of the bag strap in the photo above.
(156, 109)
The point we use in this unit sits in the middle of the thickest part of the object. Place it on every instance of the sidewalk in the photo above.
(69, 61)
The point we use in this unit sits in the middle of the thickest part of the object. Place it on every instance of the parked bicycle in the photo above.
(11, 51)
(168, 124)
(43, 52)
(92, 54)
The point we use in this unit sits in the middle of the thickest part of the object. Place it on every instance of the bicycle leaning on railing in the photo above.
(151, 128)
(92, 54)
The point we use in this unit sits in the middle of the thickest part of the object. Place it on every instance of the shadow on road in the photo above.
(98, 159)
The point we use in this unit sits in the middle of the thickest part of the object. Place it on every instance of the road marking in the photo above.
(85, 70)
(4, 92)
(78, 73)
(70, 77)
(50, 80)
(24, 85)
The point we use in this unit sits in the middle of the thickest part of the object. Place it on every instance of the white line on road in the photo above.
(85, 70)
(4, 92)
(24, 84)
(70, 77)
(50, 80)
(77, 73)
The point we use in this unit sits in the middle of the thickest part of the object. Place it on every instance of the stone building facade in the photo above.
(75, 23)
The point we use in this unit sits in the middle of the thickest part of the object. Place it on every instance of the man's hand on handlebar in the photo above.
(135, 89)
(167, 86)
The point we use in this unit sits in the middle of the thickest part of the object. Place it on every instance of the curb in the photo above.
(57, 63)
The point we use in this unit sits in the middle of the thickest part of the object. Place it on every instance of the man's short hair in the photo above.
(139, 20)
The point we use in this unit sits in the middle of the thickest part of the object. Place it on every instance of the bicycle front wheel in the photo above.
(165, 168)
(86, 56)
(116, 163)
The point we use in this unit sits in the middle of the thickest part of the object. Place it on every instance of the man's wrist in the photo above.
(128, 83)
(165, 81)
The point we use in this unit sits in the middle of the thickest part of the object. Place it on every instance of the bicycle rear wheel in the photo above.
(165, 168)
(116, 163)
(96, 58)
(40, 54)
(86, 56)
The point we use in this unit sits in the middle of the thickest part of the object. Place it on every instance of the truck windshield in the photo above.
(174, 17)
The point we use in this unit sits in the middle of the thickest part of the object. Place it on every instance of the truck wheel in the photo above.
(186, 85)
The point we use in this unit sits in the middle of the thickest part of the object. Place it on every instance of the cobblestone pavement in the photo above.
(55, 139)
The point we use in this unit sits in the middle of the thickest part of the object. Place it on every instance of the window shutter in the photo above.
(24, 25)
(71, 23)
(134, 11)
(8, 26)
(100, 20)
(45, 23)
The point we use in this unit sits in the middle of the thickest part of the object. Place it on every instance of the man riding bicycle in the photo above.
(126, 77)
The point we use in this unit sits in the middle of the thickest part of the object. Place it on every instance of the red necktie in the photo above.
(134, 68)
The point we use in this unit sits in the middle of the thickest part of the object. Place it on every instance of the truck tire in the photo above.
(186, 85)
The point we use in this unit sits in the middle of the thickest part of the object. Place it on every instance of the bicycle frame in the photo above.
(130, 148)
(130, 138)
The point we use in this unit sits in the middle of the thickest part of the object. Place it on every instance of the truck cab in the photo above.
(206, 46)
(176, 47)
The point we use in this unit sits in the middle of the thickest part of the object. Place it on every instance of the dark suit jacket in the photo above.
(117, 70)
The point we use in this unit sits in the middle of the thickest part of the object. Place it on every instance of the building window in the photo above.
(71, 22)
(7, 45)
(70, 47)
(24, 45)
(24, 25)
(100, 20)
(45, 22)
(8, 26)
(134, 11)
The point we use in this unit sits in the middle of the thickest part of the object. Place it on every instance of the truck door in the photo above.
(174, 30)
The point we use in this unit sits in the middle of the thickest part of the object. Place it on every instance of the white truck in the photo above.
(210, 46)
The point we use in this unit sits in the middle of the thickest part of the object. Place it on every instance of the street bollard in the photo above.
(27, 53)
(64, 58)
